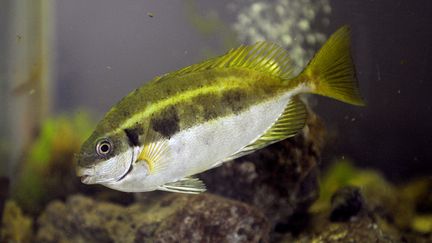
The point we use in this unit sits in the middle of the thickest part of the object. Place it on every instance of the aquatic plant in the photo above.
(47, 169)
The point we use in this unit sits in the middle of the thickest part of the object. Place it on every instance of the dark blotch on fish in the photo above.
(167, 123)
(133, 135)
(233, 99)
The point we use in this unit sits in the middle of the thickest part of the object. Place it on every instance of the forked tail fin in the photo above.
(331, 72)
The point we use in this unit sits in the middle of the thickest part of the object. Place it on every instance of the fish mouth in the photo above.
(86, 175)
(90, 175)
(86, 179)
(90, 179)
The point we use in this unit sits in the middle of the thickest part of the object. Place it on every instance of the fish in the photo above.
(194, 119)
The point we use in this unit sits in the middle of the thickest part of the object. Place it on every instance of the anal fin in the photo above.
(188, 185)
(289, 123)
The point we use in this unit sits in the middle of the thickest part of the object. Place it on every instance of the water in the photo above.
(65, 63)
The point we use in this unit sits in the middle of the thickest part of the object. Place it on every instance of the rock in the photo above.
(349, 219)
(346, 203)
(383, 199)
(379, 212)
(15, 227)
(171, 218)
(280, 180)
(363, 229)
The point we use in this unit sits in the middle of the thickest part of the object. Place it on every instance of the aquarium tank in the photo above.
(215, 121)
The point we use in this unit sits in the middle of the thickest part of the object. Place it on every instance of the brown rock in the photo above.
(362, 229)
(349, 220)
(172, 218)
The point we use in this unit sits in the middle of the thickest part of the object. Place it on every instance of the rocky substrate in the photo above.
(173, 218)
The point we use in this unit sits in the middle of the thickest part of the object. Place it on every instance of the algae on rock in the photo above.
(174, 217)
(401, 213)
(16, 227)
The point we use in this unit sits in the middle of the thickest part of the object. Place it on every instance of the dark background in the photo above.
(392, 49)
(108, 48)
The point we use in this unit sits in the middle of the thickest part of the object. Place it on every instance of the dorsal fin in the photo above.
(289, 123)
(263, 56)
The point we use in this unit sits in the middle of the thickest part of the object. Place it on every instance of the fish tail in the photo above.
(331, 71)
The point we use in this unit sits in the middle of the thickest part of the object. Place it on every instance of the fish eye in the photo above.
(104, 147)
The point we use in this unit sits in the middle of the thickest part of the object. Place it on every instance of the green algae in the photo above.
(403, 209)
(343, 173)
(47, 170)
(16, 227)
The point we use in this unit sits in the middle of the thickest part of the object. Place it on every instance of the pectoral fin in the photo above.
(155, 152)
(189, 185)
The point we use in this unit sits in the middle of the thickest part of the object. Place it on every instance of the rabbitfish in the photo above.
(194, 119)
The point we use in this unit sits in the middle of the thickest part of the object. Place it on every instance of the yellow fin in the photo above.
(331, 72)
(289, 123)
(263, 56)
(153, 153)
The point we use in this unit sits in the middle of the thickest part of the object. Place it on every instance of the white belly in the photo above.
(201, 147)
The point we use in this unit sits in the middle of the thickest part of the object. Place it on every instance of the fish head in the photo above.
(137, 179)
(105, 158)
